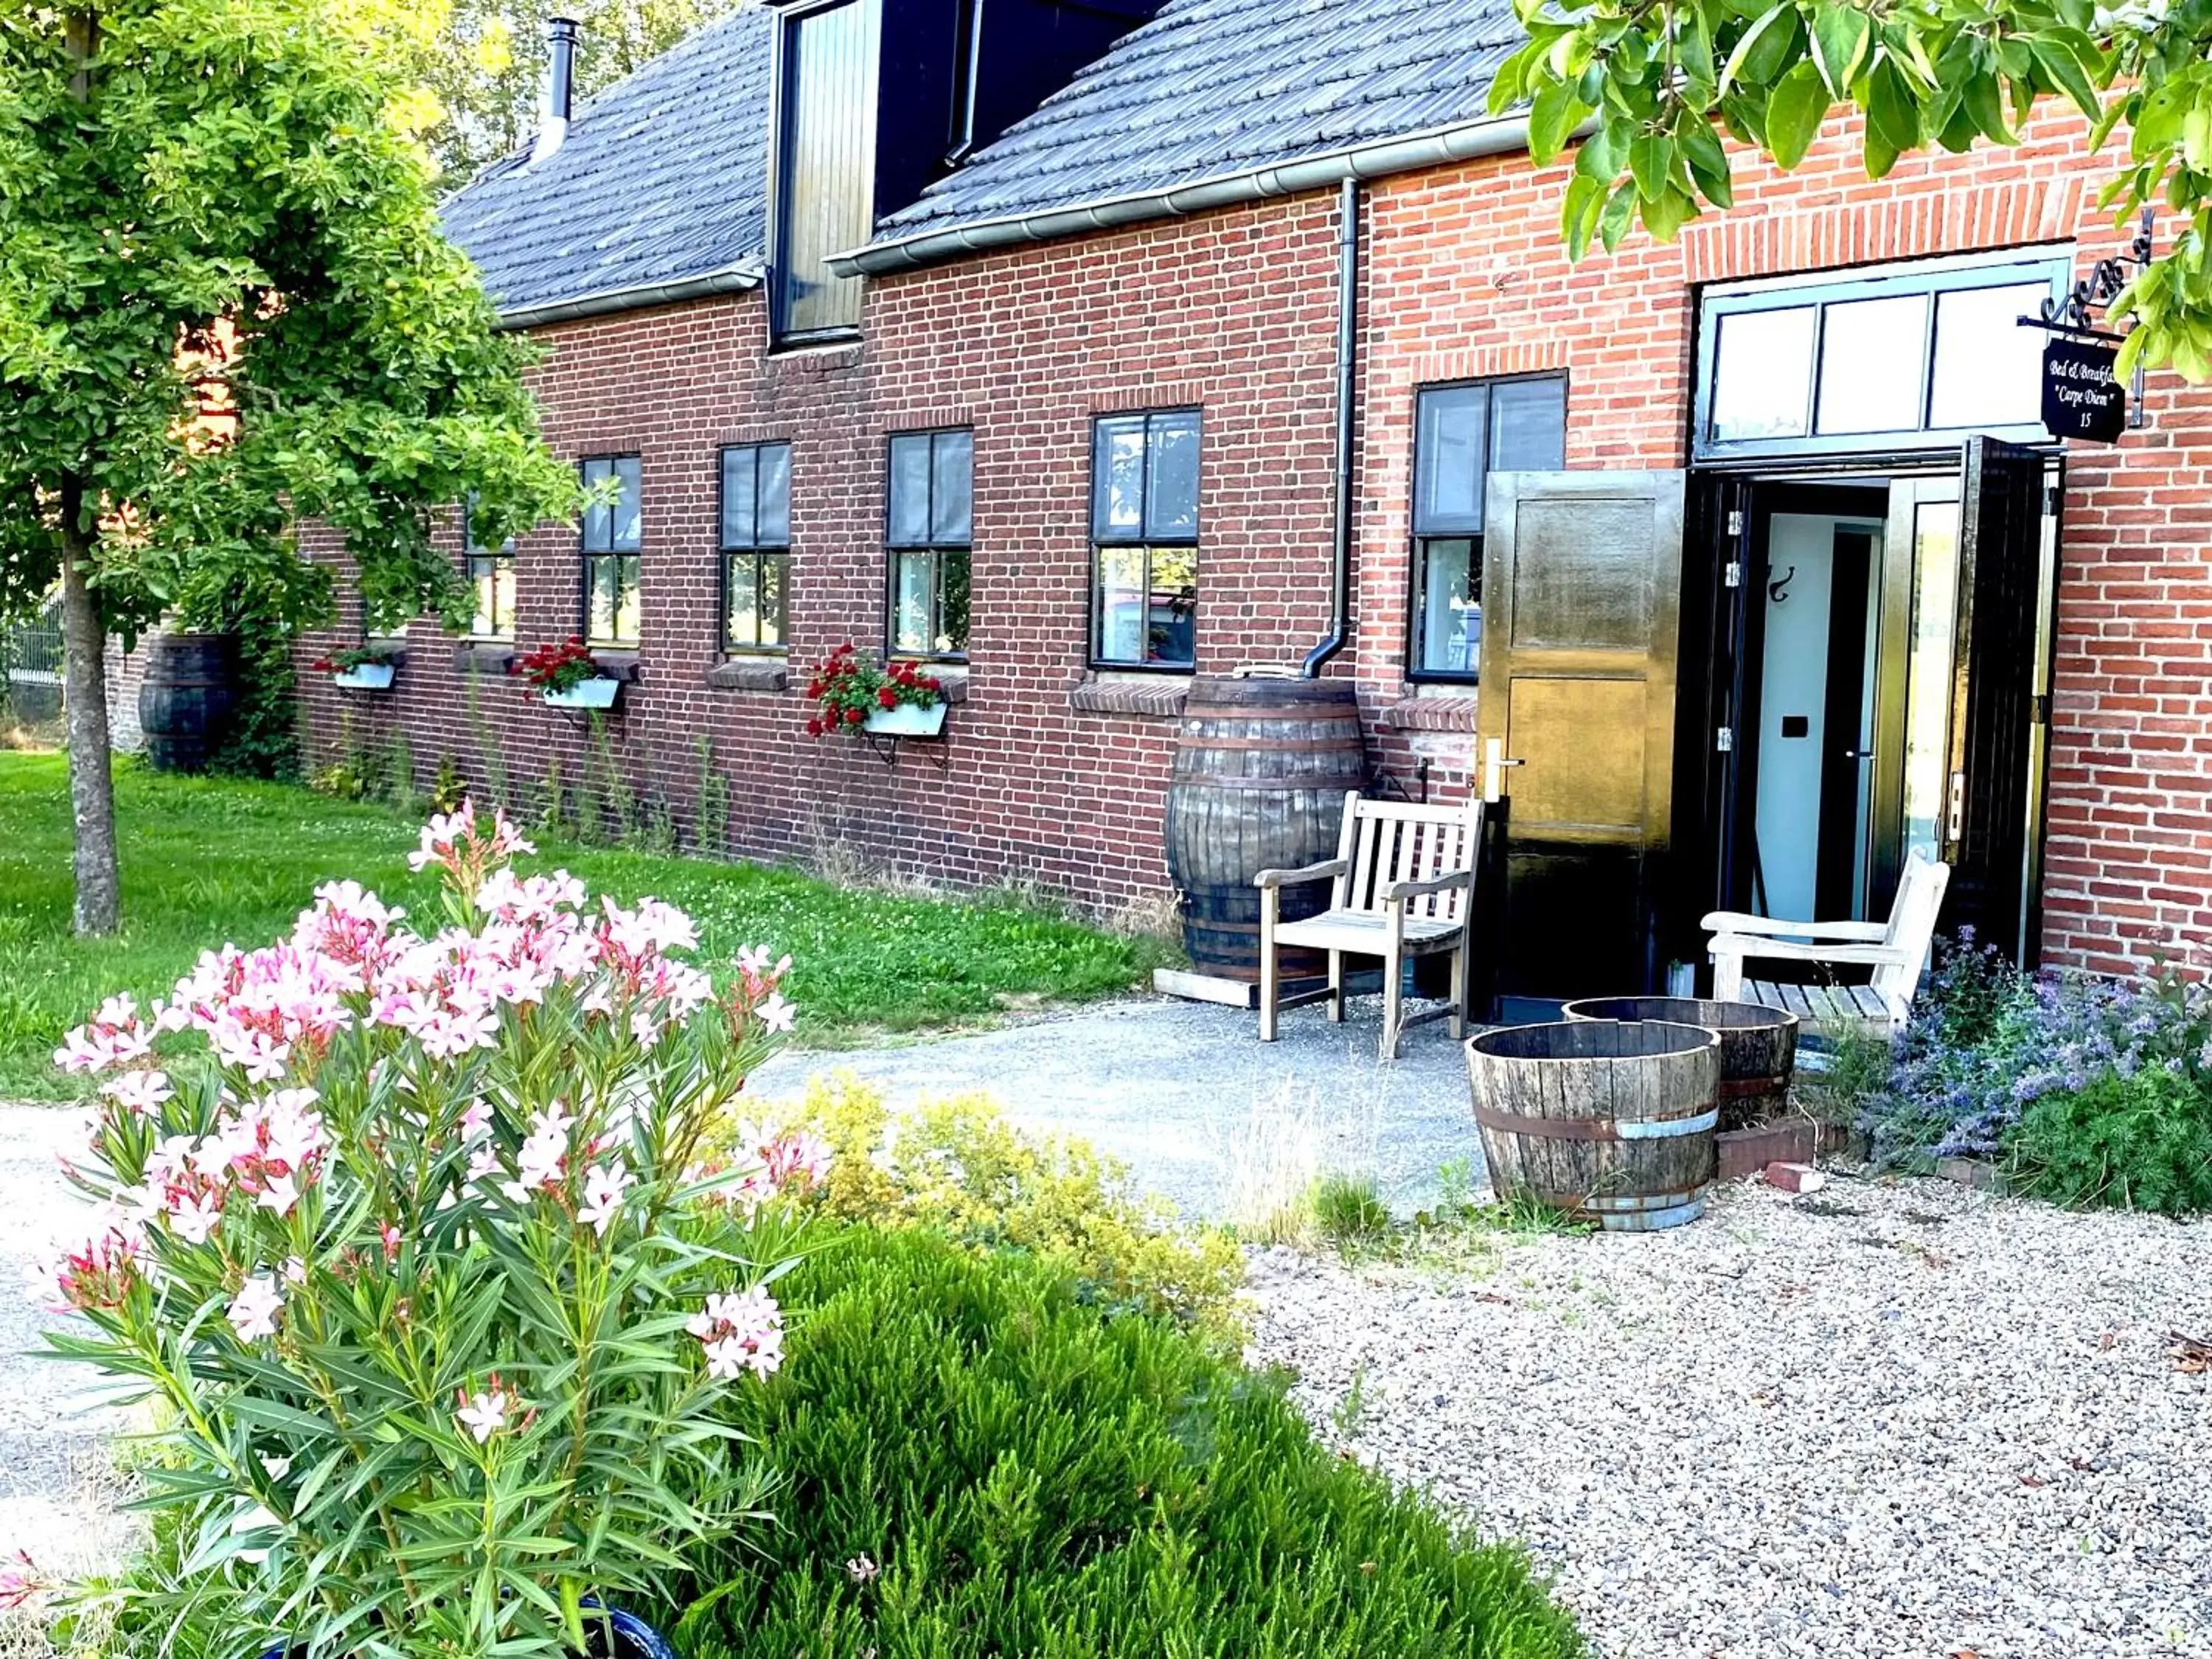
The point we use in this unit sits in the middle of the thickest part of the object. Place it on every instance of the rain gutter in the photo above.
(1439, 147)
(734, 280)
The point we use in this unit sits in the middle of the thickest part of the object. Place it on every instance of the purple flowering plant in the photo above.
(1987, 1043)
(434, 1249)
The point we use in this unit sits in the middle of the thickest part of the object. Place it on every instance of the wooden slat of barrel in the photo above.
(1610, 1120)
(1759, 1047)
(186, 699)
(1261, 772)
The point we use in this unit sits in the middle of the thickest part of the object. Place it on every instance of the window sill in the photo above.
(484, 657)
(1148, 695)
(750, 674)
(1453, 713)
(617, 663)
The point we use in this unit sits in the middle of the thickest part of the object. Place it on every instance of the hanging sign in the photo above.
(2082, 396)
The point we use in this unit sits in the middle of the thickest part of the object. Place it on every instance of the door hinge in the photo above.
(1735, 521)
(1724, 740)
(1732, 575)
(2039, 710)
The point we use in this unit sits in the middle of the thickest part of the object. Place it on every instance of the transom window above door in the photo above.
(1897, 357)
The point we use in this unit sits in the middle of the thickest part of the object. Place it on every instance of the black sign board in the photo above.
(2082, 396)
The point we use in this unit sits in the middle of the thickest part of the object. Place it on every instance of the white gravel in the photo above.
(1888, 1420)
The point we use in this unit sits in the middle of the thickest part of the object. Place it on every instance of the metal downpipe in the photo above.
(1347, 343)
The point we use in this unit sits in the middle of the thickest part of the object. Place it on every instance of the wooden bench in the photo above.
(1402, 885)
(1896, 950)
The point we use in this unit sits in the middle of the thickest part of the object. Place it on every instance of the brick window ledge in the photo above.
(750, 674)
(617, 666)
(1162, 698)
(484, 657)
(1430, 714)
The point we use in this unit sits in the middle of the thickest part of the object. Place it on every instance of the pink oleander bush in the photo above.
(432, 1248)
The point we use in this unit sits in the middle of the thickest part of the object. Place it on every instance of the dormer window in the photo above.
(825, 164)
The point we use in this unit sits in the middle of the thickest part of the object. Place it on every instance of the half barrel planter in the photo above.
(1759, 1057)
(1611, 1120)
(1262, 768)
(184, 702)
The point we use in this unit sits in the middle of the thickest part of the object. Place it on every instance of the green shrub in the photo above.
(977, 1464)
(2142, 1140)
(1349, 1214)
(959, 1166)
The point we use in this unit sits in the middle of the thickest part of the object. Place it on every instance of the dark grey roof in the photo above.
(1211, 89)
(662, 180)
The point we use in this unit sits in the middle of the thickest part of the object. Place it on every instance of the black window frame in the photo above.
(590, 558)
(759, 553)
(473, 556)
(792, 19)
(937, 549)
(1934, 278)
(1421, 538)
(1143, 538)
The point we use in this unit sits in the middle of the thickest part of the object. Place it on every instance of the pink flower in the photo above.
(603, 1188)
(739, 1332)
(253, 1310)
(139, 1093)
(543, 1159)
(113, 1038)
(19, 1582)
(193, 1216)
(98, 1273)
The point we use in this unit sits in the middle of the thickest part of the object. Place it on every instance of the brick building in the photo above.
(1017, 349)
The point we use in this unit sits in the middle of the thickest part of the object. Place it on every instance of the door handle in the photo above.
(1862, 756)
(1494, 763)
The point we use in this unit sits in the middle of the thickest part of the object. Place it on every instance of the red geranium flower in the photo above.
(855, 716)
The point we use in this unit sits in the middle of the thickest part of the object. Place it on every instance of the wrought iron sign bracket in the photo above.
(2075, 316)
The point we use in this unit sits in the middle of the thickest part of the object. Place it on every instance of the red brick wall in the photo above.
(1235, 310)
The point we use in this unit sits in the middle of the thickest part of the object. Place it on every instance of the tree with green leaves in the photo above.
(1655, 84)
(225, 307)
(479, 66)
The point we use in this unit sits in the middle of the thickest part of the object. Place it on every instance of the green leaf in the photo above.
(1841, 35)
(1983, 102)
(1619, 210)
(1891, 112)
(1650, 159)
(1709, 164)
(1758, 53)
(1793, 114)
(1552, 119)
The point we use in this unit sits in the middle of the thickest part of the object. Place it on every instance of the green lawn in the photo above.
(207, 860)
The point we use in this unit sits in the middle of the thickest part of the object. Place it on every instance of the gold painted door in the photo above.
(1581, 594)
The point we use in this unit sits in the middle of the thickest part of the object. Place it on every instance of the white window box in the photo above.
(369, 677)
(908, 721)
(585, 694)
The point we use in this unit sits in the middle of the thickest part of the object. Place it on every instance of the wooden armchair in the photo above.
(1896, 949)
(1402, 885)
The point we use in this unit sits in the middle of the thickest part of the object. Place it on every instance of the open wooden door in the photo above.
(1581, 589)
(1988, 833)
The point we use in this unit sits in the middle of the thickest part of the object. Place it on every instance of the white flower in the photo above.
(139, 1092)
(280, 1194)
(776, 1013)
(486, 1415)
(603, 1196)
(253, 1309)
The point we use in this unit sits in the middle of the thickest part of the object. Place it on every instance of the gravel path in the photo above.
(1182, 1091)
(1891, 1421)
(58, 1483)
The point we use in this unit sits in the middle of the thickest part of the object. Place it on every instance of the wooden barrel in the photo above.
(1261, 772)
(184, 701)
(1609, 1119)
(1759, 1047)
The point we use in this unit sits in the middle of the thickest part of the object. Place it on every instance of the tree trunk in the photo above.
(84, 691)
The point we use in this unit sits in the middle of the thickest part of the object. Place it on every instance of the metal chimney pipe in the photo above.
(559, 86)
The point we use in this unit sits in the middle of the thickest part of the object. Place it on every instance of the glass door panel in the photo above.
(1914, 681)
(1929, 680)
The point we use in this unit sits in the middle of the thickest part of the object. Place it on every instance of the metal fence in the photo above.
(31, 651)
